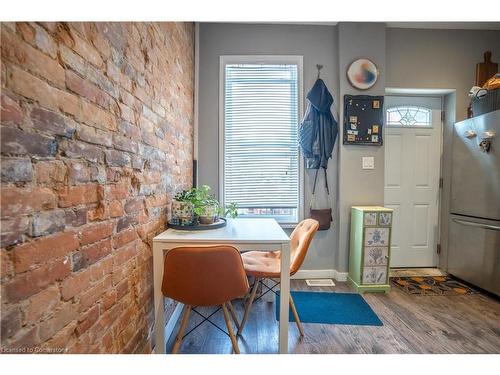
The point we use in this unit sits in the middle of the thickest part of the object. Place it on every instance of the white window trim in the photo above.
(263, 59)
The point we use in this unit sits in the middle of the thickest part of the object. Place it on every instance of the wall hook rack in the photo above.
(319, 67)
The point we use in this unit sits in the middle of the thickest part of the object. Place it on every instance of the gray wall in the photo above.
(407, 58)
(317, 45)
(358, 186)
(418, 58)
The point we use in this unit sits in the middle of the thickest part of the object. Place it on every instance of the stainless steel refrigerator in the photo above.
(474, 228)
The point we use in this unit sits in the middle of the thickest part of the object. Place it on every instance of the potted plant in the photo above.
(182, 208)
(197, 205)
(206, 207)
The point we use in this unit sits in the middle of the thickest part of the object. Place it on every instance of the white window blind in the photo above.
(261, 155)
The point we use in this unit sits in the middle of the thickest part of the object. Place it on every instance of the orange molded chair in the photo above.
(266, 265)
(204, 276)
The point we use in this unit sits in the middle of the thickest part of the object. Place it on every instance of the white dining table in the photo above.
(243, 233)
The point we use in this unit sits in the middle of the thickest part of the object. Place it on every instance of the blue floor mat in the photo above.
(332, 308)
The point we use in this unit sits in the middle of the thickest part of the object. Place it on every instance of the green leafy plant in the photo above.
(231, 210)
(204, 203)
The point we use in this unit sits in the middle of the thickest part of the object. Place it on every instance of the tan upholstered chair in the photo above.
(204, 276)
(266, 265)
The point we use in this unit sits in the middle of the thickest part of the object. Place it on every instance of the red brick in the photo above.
(75, 284)
(44, 41)
(76, 217)
(74, 195)
(109, 299)
(78, 172)
(125, 253)
(124, 238)
(34, 88)
(10, 111)
(5, 264)
(122, 289)
(87, 51)
(95, 116)
(19, 142)
(159, 200)
(87, 320)
(45, 249)
(115, 208)
(86, 89)
(27, 31)
(60, 319)
(93, 135)
(16, 170)
(11, 322)
(19, 201)
(17, 51)
(96, 232)
(29, 283)
(47, 222)
(134, 204)
(91, 254)
(117, 158)
(118, 191)
(130, 130)
(42, 305)
(124, 144)
(26, 338)
(96, 97)
(102, 268)
(94, 294)
(52, 123)
(81, 150)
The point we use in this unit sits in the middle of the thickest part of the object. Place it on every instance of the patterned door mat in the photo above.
(431, 285)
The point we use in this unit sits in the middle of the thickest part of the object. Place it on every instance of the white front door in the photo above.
(412, 172)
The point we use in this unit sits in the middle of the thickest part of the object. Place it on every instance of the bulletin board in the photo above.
(363, 120)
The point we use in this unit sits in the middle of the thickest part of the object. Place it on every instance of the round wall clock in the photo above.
(362, 74)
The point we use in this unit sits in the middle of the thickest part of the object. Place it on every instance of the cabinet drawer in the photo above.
(377, 236)
(375, 275)
(370, 218)
(376, 256)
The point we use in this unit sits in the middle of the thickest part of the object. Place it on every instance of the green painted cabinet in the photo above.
(370, 248)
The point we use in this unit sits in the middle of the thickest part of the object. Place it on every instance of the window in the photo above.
(261, 107)
(406, 116)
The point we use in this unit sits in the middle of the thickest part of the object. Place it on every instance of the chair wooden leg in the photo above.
(182, 328)
(233, 314)
(249, 305)
(296, 316)
(230, 329)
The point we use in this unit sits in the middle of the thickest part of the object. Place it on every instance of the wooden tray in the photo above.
(218, 224)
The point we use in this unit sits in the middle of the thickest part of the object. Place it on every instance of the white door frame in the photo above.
(416, 98)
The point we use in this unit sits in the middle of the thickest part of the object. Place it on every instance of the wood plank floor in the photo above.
(412, 324)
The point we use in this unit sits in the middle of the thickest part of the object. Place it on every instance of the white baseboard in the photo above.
(320, 274)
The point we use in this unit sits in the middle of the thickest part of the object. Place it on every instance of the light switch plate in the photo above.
(368, 162)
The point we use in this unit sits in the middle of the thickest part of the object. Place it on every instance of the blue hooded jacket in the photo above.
(318, 130)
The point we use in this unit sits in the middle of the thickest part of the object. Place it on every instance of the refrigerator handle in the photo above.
(474, 224)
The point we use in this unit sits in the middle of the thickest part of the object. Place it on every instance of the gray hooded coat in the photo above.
(318, 130)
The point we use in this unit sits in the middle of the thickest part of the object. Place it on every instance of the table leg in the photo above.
(159, 299)
(284, 297)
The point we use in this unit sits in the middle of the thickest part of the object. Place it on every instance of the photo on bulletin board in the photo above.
(363, 120)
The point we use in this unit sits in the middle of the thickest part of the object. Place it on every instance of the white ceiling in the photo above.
(409, 25)
(446, 25)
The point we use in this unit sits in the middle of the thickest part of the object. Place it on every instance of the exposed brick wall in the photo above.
(96, 136)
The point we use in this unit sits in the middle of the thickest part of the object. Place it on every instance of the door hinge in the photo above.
(441, 182)
(442, 116)
(438, 248)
